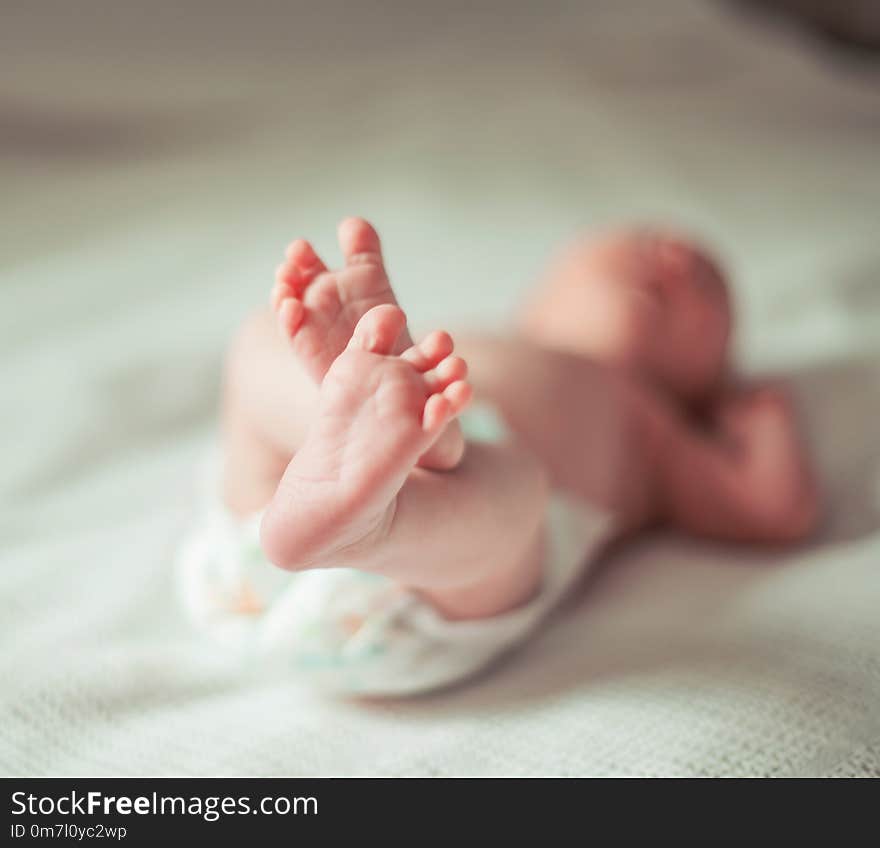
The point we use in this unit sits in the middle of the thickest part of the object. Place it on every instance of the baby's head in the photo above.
(645, 300)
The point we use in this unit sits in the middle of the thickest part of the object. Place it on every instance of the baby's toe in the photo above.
(300, 267)
(442, 407)
(448, 371)
(302, 256)
(291, 313)
(430, 351)
(359, 242)
(437, 412)
(459, 395)
(378, 330)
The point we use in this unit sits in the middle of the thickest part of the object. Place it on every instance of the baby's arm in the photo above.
(620, 443)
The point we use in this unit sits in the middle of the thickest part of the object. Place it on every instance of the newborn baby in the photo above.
(417, 541)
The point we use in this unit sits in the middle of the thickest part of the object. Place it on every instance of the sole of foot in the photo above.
(378, 412)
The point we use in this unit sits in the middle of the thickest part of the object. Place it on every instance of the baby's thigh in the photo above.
(265, 386)
(574, 414)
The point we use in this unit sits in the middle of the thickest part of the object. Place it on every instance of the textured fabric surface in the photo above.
(153, 180)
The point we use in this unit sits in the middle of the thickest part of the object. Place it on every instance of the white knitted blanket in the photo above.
(154, 182)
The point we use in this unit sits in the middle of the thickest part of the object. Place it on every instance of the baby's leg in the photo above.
(469, 539)
(585, 422)
(268, 403)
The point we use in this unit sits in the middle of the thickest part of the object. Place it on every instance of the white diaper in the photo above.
(359, 633)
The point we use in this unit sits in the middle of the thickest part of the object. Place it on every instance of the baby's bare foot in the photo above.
(318, 310)
(378, 413)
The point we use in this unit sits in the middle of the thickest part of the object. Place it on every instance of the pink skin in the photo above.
(352, 495)
(318, 309)
(377, 414)
(606, 417)
(645, 300)
(758, 458)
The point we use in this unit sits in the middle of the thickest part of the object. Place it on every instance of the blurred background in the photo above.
(156, 157)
